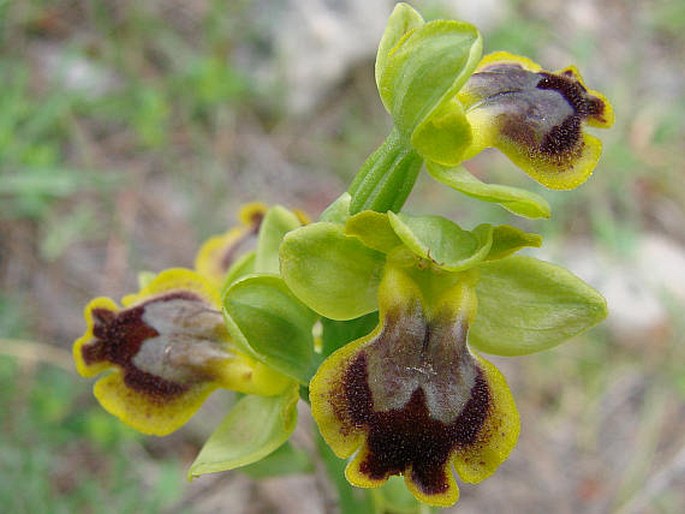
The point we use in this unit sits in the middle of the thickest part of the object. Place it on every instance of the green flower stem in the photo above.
(351, 500)
(385, 180)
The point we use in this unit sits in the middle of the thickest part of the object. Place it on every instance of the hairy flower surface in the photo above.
(168, 349)
(536, 118)
(412, 399)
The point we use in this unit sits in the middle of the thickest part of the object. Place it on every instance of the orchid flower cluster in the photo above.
(375, 318)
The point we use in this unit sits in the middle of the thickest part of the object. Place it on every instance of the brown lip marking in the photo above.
(118, 338)
(566, 138)
(409, 437)
(585, 105)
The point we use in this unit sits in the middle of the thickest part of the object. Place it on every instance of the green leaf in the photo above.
(402, 20)
(515, 200)
(526, 305)
(443, 241)
(374, 230)
(334, 274)
(286, 460)
(262, 314)
(255, 427)
(277, 222)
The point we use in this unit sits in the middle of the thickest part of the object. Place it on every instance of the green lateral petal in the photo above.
(374, 230)
(263, 314)
(507, 240)
(278, 221)
(443, 241)
(334, 274)
(515, 200)
(444, 136)
(255, 427)
(426, 69)
(402, 20)
(526, 305)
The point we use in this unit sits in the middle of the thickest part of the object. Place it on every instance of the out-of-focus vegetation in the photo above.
(129, 131)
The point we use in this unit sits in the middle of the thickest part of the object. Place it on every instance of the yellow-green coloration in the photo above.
(536, 118)
(168, 349)
(218, 252)
(411, 398)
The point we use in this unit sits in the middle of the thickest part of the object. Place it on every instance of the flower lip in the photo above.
(411, 399)
(122, 338)
(536, 118)
(410, 438)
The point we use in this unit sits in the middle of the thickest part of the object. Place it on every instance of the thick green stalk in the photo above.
(385, 180)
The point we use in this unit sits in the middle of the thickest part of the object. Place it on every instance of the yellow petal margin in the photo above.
(411, 399)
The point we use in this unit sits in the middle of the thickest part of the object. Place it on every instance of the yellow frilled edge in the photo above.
(564, 156)
(338, 389)
(158, 391)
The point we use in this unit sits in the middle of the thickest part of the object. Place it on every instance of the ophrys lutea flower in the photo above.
(165, 350)
(414, 397)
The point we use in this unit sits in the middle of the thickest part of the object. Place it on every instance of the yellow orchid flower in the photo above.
(168, 349)
(536, 118)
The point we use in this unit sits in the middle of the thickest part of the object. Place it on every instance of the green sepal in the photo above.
(526, 305)
(278, 221)
(286, 460)
(428, 65)
(374, 230)
(255, 427)
(515, 200)
(263, 314)
(335, 275)
(442, 241)
(403, 19)
(507, 240)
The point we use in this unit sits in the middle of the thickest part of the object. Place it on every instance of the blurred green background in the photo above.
(130, 131)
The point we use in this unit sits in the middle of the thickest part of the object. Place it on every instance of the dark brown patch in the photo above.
(118, 338)
(585, 105)
(409, 437)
